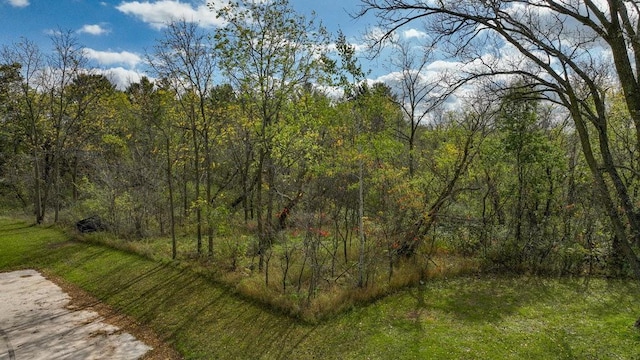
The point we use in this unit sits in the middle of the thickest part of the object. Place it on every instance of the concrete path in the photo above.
(37, 322)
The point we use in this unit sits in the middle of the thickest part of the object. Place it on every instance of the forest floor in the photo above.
(466, 317)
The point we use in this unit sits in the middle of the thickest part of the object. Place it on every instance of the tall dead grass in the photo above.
(308, 283)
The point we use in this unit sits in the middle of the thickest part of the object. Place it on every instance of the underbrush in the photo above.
(317, 269)
(308, 274)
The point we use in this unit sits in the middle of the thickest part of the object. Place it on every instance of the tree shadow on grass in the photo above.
(17, 228)
(61, 254)
(211, 317)
(185, 308)
(488, 299)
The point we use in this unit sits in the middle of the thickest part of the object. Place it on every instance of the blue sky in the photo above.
(116, 33)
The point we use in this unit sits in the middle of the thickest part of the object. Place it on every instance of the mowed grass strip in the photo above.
(461, 318)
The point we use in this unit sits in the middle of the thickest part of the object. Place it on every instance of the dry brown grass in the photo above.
(333, 290)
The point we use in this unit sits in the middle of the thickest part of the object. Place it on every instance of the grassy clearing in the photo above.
(461, 318)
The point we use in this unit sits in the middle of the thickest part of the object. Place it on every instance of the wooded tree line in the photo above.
(237, 145)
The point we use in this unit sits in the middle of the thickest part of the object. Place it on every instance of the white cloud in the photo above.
(112, 58)
(52, 32)
(93, 30)
(392, 79)
(445, 65)
(18, 3)
(160, 13)
(429, 79)
(376, 34)
(122, 77)
(414, 34)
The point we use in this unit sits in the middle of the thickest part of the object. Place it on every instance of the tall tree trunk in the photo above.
(603, 190)
(196, 170)
(74, 179)
(519, 202)
(361, 257)
(259, 216)
(621, 189)
(185, 193)
(209, 180)
(208, 176)
(56, 189)
(38, 206)
(412, 150)
(174, 246)
(247, 188)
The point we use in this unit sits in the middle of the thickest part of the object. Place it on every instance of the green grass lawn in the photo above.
(461, 318)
